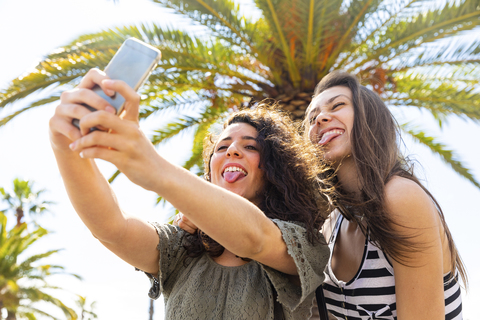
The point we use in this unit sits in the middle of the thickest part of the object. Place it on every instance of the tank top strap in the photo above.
(338, 223)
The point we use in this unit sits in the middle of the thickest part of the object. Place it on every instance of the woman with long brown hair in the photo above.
(258, 256)
(393, 256)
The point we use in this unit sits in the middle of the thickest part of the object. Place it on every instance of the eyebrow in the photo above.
(243, 138)
(330, 101)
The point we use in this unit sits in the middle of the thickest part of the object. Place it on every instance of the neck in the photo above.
(348, 176)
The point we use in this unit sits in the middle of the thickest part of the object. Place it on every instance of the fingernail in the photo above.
(81, 154)
(72, 145)
(111, 109)
(108, 91)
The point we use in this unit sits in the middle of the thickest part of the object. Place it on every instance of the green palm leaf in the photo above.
(17, 294)
(404, 34)
(441, 98)
(417, 53)
(447, 156)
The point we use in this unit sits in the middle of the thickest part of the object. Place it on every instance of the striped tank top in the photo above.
(371, 292)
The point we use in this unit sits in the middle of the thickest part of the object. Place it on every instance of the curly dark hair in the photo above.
(292, 191)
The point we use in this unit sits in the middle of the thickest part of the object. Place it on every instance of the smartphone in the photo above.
(132, 63)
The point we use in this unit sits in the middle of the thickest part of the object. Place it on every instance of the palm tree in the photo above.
(86, 312)
(415, 53)
(24, 200)
(23, 282)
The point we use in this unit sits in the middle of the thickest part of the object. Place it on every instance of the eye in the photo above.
(312, 119)
(220, 148)
(338, 104)
(250, 147)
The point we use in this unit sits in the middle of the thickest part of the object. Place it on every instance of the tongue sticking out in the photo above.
(327, 137)
(231, 177)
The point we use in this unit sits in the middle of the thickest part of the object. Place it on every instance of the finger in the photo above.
(94, 77)
(102, 119)
(132, 98)
(175, 220)
(97, 139)
(186, 227)
(109, 155)
(186, 224)
(190, 225)
(74, 111)
(59, 125)
(85, 97)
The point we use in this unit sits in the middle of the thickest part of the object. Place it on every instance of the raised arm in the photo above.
(88, 190)
(230, 219)
(419, 280)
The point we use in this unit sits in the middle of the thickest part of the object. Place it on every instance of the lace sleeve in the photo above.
(172, 253)
(310, 261)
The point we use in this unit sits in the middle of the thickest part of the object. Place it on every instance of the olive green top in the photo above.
(199, 288)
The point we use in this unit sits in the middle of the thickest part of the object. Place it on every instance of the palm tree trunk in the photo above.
(19, 215)
(150, 311)
(11, 315)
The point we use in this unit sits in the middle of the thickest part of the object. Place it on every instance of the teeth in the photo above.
(233, 169)
(328, 133)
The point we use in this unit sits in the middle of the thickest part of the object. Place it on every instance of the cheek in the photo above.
(311, 134)
(214, 163)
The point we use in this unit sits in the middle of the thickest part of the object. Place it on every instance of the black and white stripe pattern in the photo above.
(371, 293)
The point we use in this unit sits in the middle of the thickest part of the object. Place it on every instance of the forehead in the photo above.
(239, 129)
(329, 95)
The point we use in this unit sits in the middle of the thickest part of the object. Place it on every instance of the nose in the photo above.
(323, 117)
(233, 151)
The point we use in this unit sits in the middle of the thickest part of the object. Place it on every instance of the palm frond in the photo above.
(312, 26)
(52, 98)
(355, 16)
(455, 50)
(274, 11)
(114, 176)
(448, 156)
(173, 128)
(32, 259)
(404, 33)
(209, 118)
(219, 105)
(54, 72)
(441, 98)
(221, 17)
(384, 15)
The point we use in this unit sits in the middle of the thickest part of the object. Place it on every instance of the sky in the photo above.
(30, 29)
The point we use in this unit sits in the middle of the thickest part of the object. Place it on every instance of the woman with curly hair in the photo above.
(258, 255)
(393, 256)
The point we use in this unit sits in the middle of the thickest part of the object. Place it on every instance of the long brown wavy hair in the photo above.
(375, 141)
(292, 191)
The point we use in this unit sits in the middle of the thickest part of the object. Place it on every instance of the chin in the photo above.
(334, 160)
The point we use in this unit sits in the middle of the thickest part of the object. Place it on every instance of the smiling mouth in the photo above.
(233, 173)
(326, 137)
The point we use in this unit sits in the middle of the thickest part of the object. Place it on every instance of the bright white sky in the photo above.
(30, 29)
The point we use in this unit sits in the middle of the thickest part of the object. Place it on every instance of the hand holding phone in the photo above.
(132, 63)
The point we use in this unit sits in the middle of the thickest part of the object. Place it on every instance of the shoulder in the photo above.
(408, 204)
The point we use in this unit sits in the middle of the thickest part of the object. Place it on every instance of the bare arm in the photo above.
(228, 218)
(88, 190)
(419, 284)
